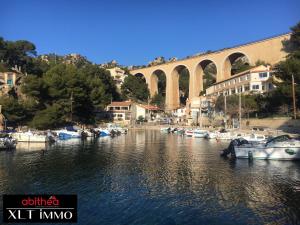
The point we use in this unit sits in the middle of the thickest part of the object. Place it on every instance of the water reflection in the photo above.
(154, 178)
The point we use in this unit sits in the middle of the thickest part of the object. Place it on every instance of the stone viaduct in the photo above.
(269, 50)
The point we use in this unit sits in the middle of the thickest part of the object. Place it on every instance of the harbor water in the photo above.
(146, 177)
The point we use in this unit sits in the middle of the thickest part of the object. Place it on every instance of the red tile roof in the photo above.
(150, 107)
(126, 103)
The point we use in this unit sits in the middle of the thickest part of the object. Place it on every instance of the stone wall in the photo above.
(284, 124)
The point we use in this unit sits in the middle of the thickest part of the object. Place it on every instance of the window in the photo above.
(124, 108)
(263, 75)
(263, 87)
(232, 91)
(111, 108)
(10, 82)
(120, 115)
(270, 86)
(117, 108)
(248, 77)
(255, 87)
(247, 88)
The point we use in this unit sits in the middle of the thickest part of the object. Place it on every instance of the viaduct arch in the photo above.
(269, 50)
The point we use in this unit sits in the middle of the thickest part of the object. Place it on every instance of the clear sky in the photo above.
(137, 31)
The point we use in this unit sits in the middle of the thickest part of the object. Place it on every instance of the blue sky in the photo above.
(134, 32)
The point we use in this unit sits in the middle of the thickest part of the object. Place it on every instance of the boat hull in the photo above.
(24, 137)
(277, 153)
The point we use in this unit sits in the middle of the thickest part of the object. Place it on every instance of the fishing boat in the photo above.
(66, 133)
(180, 131)
(165, 129)
(189, 133)
(30, 136)
(117, 128)
(7, 142)
(104, 133)
(199, 133)
(220, 135)
(280, 148)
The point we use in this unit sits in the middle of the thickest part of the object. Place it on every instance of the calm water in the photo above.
(152, 178)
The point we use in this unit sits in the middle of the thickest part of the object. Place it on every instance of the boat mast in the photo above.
(200, 112)
(294, 97)
(225, 111)
(240, 111)
(71, 106)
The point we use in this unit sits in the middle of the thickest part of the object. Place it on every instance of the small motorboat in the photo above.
(104, 133)
(30, 136)
(67, 133)
(189, 133)
(220, 135)
(165, 130)
(280, 148)
(117, 128)
(7, 142)
(200, 133)
(180, 131)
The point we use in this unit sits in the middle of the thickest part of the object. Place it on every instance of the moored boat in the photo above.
(7, 142)
(280, 148)
(30, 136)
(165, 129)
(65, 134)
(199, 133)
(189, 133)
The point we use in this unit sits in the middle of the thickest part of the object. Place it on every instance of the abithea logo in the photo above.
(39, 208)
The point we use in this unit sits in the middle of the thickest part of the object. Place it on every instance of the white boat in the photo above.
(29, 137)
(180, 131)
(220, 135)
(211, 135)
(200, 133)
(255, 138)
(7, 142)
(281, 148)
(117, 128)
(189, 133)
(165, 129)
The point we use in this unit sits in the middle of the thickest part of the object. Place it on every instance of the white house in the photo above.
(148, 112)
(255, 80)
(118, 75)
(120, 111)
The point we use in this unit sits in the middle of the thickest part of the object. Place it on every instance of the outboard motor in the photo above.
(230, 149)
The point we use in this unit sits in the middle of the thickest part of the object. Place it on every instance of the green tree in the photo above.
(135, 88)
(50, 117)
(285, 69)
(239, 66)
(13, 110)
(158, 100)
(18, 53)
(184, 77)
